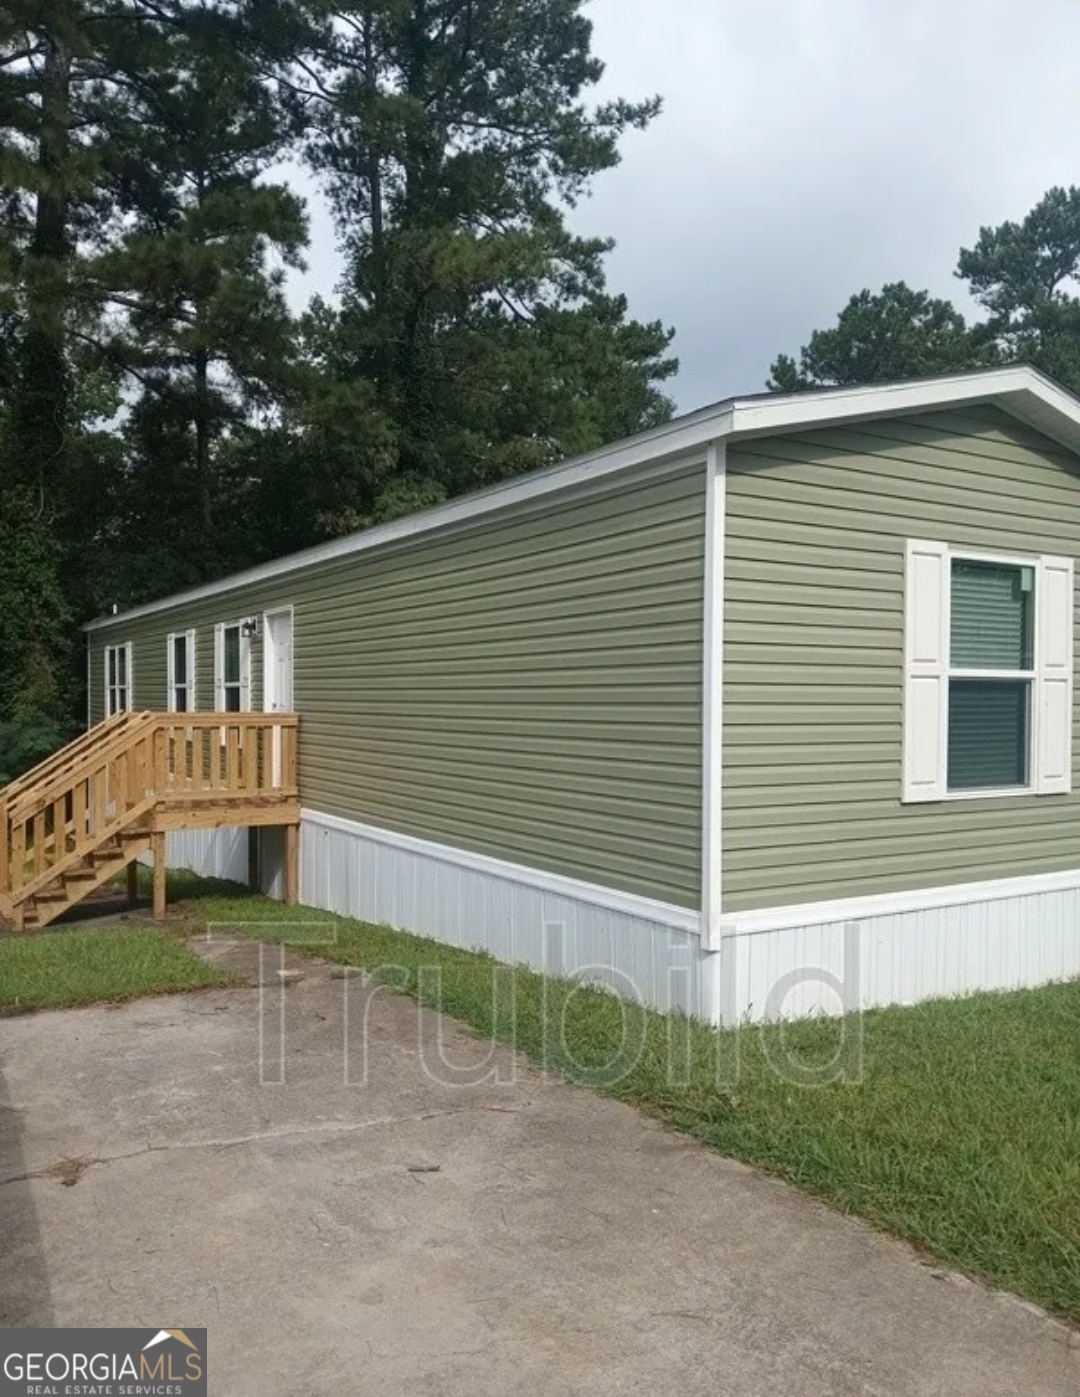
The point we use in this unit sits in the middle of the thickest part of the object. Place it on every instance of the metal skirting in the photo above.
(819, 964)
(835, 966)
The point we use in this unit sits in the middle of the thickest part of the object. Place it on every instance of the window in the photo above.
(232, 669)
(119, 697)
(180, 660)
(988, 683)
(991, 674)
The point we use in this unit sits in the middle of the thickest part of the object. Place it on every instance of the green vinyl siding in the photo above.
(813, 642)
(527, 687)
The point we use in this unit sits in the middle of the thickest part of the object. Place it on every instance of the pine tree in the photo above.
(454, 135)
(48, 139)
(195, 283)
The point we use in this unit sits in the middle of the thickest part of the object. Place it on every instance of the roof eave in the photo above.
(1022, 391)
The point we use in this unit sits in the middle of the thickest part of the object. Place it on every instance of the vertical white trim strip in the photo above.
(712, 737)
(219, 668)
(192, 697)
(170, 672)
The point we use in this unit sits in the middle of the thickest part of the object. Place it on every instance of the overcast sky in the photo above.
(809, 148)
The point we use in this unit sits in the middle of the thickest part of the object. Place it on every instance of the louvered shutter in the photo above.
(1053, 773)
(926, 642)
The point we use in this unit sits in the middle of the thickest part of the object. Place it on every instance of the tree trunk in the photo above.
(375, 190)
(41, 400)
(202, 441)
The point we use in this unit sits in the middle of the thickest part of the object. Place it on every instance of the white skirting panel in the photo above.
(781, 962)
(994, 936)
(646, 951)
(223, 853)
(211, 853)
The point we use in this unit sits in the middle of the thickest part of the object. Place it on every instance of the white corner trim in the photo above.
(712, 745)
(854, 909)
(1020, 390)
(629, 904)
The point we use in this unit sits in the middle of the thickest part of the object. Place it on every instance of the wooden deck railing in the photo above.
(126, 772)
(219, 756)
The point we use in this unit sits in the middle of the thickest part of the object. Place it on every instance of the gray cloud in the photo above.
(809, 148)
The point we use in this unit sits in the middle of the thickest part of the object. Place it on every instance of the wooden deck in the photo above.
(96, 806)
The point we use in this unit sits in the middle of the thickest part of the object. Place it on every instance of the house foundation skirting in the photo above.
(862, 953)
(780, 962)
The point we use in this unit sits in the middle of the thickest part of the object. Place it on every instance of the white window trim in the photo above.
(188, 638)
(1040, 782)
(219, 665)
(129, 671)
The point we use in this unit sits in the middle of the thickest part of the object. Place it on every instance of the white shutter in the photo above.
(219, 669)
(1054, 687)
(926, 658)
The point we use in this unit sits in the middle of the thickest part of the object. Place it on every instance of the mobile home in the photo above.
(765, 711)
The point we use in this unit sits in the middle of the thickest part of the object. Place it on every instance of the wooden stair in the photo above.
(90, 810)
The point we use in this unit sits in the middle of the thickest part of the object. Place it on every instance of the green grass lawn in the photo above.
(961, 1132)
(959, 1128)
(58, 969)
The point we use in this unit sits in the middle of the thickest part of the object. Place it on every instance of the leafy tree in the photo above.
(48, 136)
(1026, 277)
(452, 134)
(898, 333)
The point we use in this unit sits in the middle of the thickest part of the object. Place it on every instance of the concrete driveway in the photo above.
(414, 1236)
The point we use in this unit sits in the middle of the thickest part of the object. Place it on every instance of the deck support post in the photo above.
(292, 864)
(253, 859)
(133, 882)
(157, 847)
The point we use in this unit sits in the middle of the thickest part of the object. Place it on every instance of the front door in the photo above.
(277, 674)
(278, 663)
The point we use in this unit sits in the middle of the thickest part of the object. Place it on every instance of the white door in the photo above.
(277, 674)
(278, 663)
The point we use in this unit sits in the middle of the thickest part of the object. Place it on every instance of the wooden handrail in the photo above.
(34, 799)
(68, 754)
(203, 719)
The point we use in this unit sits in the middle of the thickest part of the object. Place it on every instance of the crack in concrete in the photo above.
(237, 1141)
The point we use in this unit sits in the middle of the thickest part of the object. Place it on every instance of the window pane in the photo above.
(989, 723)
(180, 674)
(180, 698)
(232, 698)
(110, 666)
(992, 616)
(121, 664)
(232, 655)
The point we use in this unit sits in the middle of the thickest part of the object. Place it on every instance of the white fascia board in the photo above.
(822, 408)
(1020, 390)
(683, 437)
